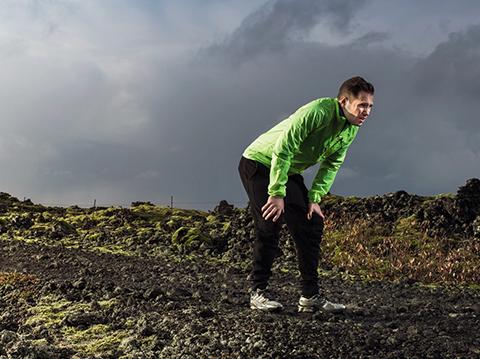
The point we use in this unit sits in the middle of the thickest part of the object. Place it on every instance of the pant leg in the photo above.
(306, 233)
(255, 179)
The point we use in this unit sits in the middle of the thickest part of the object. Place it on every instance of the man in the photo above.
(270, 170)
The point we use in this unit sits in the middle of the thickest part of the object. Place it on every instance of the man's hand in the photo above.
(274, 207)
(314, 208)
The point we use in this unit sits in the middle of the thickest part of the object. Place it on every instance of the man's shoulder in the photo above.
(322, 109)
(327, 104)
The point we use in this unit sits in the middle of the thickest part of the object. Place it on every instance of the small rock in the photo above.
(79, 284)
(412, 331)
(260, 344)
(153, 292)
(7, 336)
(206, 313)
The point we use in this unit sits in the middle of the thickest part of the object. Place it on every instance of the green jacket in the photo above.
(315, 133)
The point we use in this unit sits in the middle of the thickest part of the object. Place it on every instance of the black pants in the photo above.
(306, 233)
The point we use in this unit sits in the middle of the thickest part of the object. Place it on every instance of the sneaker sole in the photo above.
(302, 309)
(278, 309)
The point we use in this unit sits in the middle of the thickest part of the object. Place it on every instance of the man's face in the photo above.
(357, 109)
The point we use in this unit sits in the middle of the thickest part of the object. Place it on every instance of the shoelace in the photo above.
(260, 298)
(318, 298)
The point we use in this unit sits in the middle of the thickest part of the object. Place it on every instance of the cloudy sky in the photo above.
(138, 100)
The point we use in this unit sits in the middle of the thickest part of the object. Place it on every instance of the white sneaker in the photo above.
(259, 300)
(317, 302)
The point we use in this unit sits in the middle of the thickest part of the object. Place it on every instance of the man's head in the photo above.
(356, 98)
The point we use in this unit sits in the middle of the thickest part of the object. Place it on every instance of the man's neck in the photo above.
(340, 111)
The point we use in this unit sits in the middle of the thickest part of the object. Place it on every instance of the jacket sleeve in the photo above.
(326, 174)
(303, 122)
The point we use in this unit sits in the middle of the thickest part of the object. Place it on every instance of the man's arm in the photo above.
(326, 174)
(304, 121)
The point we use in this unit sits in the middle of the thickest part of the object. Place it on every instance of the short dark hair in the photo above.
(354, 86)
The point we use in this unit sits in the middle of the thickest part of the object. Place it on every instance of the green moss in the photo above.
(130, 323)
(6, 237)
(124, 230)
(353, 199)
(39, 342)
(46, 216)
(97, 339)
(178, 234)
(101, 215)
(226, 226)
(445, 195)
(108, 303)
(41, 227)
(151, 213)
(112, 249)
(25, 239)
(93, 237)
(186, 238)
(70, 242)
(211, 218)
(51, 310)
(78, 219)
(144, 232)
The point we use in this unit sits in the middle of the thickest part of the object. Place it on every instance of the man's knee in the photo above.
(316, 225)
(298, 221)
(268, 227)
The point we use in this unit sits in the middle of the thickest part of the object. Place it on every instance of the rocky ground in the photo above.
(150, 282)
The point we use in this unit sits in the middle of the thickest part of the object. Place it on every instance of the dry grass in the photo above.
(12, 278)
(401, 252)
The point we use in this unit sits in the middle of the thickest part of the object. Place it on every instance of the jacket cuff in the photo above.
(314, 197)
(278, 193)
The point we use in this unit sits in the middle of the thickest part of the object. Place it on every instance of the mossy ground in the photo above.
(178, 264)
(136, 231)
(50, 313)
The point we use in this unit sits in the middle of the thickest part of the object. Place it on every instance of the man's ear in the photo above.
(343, 100)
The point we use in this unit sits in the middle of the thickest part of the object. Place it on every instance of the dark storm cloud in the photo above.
(370, 38)
(276, 23)
(444, 148)
(450, 76)
(453, 66)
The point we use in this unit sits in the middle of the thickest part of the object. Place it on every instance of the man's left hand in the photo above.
(314, 208)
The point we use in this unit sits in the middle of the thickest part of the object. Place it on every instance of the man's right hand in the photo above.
(274, 207)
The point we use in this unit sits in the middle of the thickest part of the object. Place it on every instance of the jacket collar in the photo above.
(339, 110)
(339, 114)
